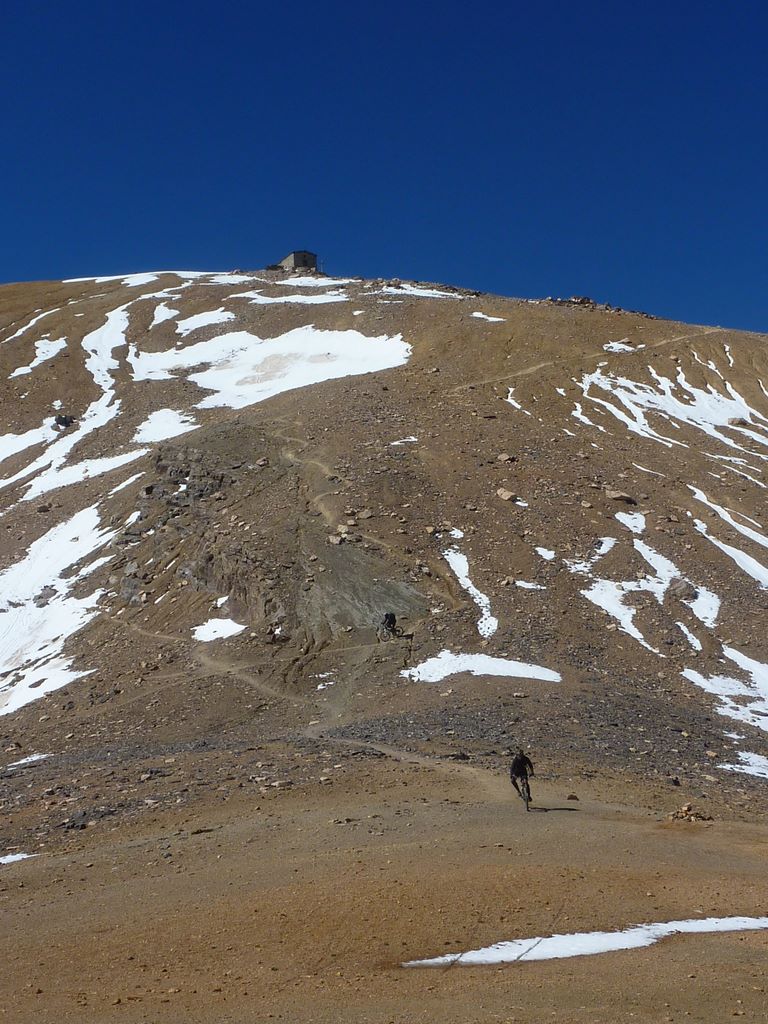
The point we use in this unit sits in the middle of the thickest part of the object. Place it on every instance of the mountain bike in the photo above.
(524, 790)
(385, 633)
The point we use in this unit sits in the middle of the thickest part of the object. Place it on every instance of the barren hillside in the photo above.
(212, 487)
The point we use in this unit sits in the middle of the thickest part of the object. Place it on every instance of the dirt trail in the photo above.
(313, 899)
(221, 665)
(589, 355)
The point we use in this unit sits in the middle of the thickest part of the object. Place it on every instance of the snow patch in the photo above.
(316, 282)
(31, 759)
(126, 483)
(490, 319)
(38, 613)
(45, 349)
(751, 764)
(164, 424)
(12, 444)
(30, 324)
(216, 629)
(514, 403)
(319, 298)
(742, 700)
(622, 346)
(458, 562)
(725, 515)
(198, 320)
(163, 313)
(244, 369)
(446, 663)
(634, 521)
(418, 292)
(11, 858)
(555, 947)
(678, 403)
(745, 562)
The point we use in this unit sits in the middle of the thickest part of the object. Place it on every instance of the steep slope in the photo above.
(564, 504)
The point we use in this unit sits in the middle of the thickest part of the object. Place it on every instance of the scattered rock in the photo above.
(688, 813)
(682, 589)
(619, 496)
(505, 495)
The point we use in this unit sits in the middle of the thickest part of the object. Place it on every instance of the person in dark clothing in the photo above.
(519, 769)
(389, 621)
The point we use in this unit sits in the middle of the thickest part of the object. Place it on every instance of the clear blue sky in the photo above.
(609, 149)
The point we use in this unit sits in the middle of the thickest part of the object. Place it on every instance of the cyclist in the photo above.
(519, 769)
(389, 622)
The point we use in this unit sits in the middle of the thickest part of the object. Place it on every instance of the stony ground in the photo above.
(267, 826)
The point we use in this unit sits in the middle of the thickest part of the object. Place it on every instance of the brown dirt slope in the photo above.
(267, 825)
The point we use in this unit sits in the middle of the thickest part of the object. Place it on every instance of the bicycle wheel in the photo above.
(383, 634)
(525, 792)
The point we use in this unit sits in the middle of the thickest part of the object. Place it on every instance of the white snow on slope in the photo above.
(725, 515)
(490, 319)
(11, 444)
(135, 280)
(745, 700)
(45, 349)
(746, 562)
(750, 764)
(198, 320)
(49, 468)
(634, 521)
(216, 629)
(126, 483)
(446, 663)
(514, 402)
(555, 947)
(611, 595)
(11, 858)
(32, 636)
(579, 414)
(692, 639)
(128, 280)
(31, 759)
(244, 369)
(488, 624)
(677, 402)
(30, 324)
(417, 291)
(318, 298)
(232, 278)
(163, 313)
(315, 282)
(164, 424)
(622, 346)
(78, 472)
